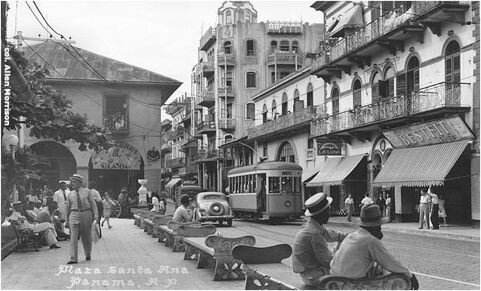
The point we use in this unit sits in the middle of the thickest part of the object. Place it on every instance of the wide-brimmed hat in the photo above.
(78, 178)
(317, 203)
(62, 182)
(371, 215)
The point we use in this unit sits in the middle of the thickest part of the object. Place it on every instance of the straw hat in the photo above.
(77, 178)
(317, 203)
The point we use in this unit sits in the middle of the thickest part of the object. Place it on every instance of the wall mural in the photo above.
(119, 156)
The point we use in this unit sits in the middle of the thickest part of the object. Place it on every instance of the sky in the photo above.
(160, 36)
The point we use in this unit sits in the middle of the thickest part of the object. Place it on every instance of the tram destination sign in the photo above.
(434, 132)
(329, 147)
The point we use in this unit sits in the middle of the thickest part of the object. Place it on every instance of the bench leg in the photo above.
(228, 269)
(149, 229)
(191, 253)
(161, 236)
(258, 281)
(169, 240)
(155, 232)
(178, 245)
(205, 261)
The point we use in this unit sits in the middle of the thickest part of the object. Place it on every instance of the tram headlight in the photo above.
(287, 203)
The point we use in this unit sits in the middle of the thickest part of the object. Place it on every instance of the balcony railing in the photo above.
(281, 123)
(175, 163)
(117, 123)
(225, 59)
(206, 126)
(207, 39)
(442, 95)
(285, 58)
(226, 91)
(284, 27)
(227, 123)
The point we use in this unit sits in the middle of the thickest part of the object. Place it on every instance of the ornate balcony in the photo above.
(225, 60)
(206, 127)
(207, 155)
(206, 98)
(208, 68)
(226, 91)
(436, 100)
(227, 123)
(285, 58)
(175, 163)
(208, 39)
(117, 123)
(282, 124)
(284, 27)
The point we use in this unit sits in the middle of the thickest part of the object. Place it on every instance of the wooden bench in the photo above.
(149, 221)
(26, 236)
(173, 233)
(141, 215)
(156, 222)
(263, 267)
(135, 213)
(216, 252)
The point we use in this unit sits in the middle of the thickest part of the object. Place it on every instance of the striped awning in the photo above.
(308, 175)
(420, 166)
(335, 170)
(351, 19)
(172, 182)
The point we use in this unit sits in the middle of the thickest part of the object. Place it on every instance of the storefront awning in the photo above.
(420, 166)
(335, 170)
(352, 19)
(172, 182)
(308, 175)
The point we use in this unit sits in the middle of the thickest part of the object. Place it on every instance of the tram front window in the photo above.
(274, 185)
(286, 183)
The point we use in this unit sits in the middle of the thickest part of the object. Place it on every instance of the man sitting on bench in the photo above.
(183, 213)
(362, 252)
(311, 254)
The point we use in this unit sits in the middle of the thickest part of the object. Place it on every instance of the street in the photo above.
(128, 258)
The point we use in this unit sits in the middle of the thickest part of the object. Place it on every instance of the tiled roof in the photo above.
(69, 67)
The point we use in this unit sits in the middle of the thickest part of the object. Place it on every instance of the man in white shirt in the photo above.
(60, 197)
(366, 200)
(183, 213)
(424, 201)
(349, 207)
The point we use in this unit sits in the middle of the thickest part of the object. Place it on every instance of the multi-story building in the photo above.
(166, 139)
(127, 102)
(402, 100)
(238, 58)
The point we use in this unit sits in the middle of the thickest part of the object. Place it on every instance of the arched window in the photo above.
(388, 83)
(286, 153)
(248, 16)
(284, 46)
(295, 46)
(227, 138)
(250, 80)
(227, 47)
(356, 94)
(284, 103)
(264, 113)
(250, 47)
(310, 95)
(375, 80)
(250, 110)
(228, 17)
(274, 109)
(412, 75)
(335, 101)
(295, 106)
(453, 63)
(273, 46)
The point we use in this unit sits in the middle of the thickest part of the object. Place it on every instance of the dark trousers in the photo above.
(100, 209)
(435, 216)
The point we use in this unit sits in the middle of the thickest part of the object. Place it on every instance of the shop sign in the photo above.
(329, 147)
(434, 132)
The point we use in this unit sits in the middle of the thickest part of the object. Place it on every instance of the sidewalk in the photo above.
(463, 232)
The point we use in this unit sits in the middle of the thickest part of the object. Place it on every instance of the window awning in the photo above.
(352, 19)
(172, 182)
(335, 170)
(420, 166)
(308, 175)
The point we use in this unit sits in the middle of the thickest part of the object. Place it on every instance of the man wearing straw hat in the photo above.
(81, 211)
(362, 253)
(311, 254)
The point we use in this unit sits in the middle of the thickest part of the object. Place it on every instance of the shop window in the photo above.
(250, 110)
(310, 95)
(250, 80)
(356, 94)
(250, 47)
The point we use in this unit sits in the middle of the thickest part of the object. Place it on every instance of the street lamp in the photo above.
(12, 141)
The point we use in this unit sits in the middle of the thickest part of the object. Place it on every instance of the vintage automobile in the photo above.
(213, 206)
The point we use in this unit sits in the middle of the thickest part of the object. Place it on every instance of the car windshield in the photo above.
(213, 197)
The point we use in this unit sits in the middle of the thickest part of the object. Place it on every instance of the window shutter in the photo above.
(401, 84)
(382, 89)
(390, 92)
(375, 92)
(456, 69)
(416, 79)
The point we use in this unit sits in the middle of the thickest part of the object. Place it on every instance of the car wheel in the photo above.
(229, 222)
(216, 209)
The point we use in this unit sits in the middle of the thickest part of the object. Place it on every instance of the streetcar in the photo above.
(266, 191)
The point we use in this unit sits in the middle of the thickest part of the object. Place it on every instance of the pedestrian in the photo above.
(122, 198)
(162, 205)
(60, 198)
(388, 207)
(366, 200)
(442, 210)
(98, 201)
(424, 201)
(107, 204)
(81, 211)
(434, 209)
(380, 202)
(155, 202)
(349, 207)
(311, 253)
(362, 253)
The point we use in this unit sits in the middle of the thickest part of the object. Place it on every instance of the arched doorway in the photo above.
(56, 162)
(119, 166)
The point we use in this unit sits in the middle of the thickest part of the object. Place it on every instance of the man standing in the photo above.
(388, 207)
(81, 211)
(60, 197)
(424, 201)
(434, 209)
(349, 207)
(366, 200)
(311, 253)
(123, 200)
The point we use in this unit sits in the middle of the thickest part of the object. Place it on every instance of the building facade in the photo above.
(127, 102)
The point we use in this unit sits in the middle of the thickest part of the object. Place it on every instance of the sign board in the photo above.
(329, 147)
(434, 132)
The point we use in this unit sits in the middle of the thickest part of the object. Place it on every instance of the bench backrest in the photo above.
(153, 215)
(262, 255)
(393, 281)
(175, 225)
(144, 213)
(223, 245)
(162, 220)
(196, 230)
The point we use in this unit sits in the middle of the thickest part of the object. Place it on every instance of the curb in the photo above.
(425, 233)
(9, 248)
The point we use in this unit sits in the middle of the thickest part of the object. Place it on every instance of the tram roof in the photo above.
(272, 165)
